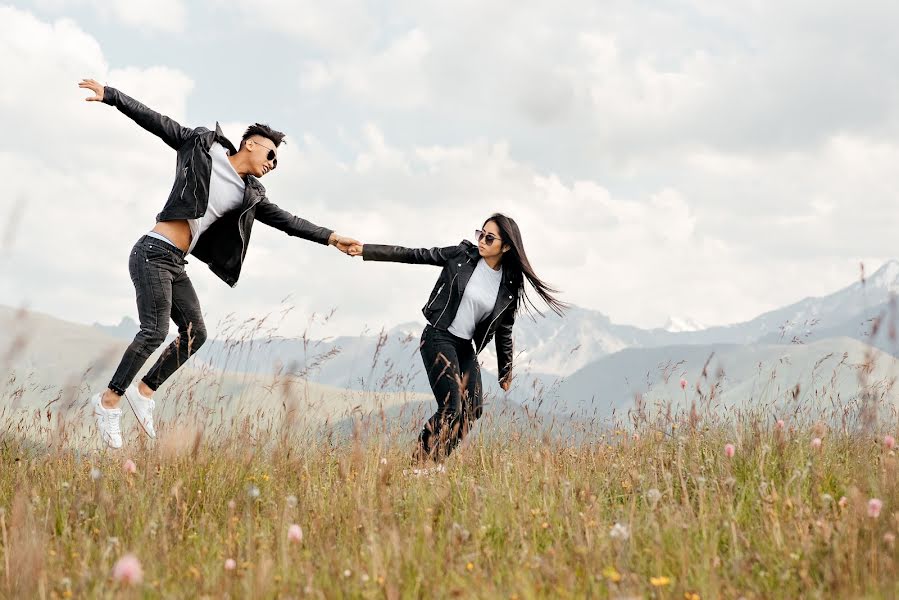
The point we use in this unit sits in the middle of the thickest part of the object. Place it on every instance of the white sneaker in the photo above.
(108, 422)
(143, 408)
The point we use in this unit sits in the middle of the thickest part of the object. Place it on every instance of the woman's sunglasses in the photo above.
(271, 154)
(487, 237)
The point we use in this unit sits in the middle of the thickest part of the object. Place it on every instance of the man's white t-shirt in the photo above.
(226, 190)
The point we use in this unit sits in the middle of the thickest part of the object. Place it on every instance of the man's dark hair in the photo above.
(265, 131)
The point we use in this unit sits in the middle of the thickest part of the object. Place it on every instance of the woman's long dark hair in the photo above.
(515, 260)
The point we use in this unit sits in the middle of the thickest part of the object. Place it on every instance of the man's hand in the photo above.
(356, 250)
(96, 88)
(506, 383)
(343, 243)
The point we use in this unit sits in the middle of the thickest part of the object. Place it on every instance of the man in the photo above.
(209, 213)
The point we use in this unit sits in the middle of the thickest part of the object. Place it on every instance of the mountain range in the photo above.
(559, 359)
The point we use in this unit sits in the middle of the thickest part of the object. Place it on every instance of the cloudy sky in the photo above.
(685, 158)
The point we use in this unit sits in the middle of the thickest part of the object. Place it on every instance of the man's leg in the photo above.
(191, 335)
(152, 274)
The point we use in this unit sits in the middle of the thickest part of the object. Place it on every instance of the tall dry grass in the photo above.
(531, 506)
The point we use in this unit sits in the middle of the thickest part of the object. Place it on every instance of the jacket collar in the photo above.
(221, 139)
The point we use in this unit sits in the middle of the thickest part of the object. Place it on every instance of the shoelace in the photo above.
(114, 423)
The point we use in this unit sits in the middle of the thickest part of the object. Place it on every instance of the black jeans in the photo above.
(455, 377)
(164, 292)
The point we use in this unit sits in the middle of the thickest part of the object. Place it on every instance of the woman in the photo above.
(476, 298)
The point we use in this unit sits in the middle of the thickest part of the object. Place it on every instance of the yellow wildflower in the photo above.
(660, 581)
(611, 574)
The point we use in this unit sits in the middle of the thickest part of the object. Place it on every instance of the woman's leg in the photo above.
(472, 398)
(439, 354)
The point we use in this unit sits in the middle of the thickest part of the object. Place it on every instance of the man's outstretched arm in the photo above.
(166, 128)
(275, 216)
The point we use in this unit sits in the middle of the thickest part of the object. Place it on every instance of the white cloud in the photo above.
(698, 160)
(394, 77)
(336, 25)
(85, 180)
(169, 16)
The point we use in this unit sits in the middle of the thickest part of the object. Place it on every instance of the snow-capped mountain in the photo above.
(550, 346)
(681, 324)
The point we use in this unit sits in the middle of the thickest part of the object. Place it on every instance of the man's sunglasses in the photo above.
(487, 237)
(271, 154)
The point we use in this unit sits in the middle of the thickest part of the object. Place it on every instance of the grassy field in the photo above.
(665, 513)
(260, 490)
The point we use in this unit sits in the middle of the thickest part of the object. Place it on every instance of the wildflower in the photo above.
(889, 441)
(844, 501)
(295, 534)
(683, 383)
(470, 566)
(253, 492)
(619, 532)
(816, 443)
(383, 460)
(874, 506)
(653, 495)
(729, 450)
(347, 573)
(232, 504)
(292, 501)
(128, 570)
(611, 574)
(96, 474)
(660, 581)
(230, 564)
(889, 539)
(781, 424)
(129, 467)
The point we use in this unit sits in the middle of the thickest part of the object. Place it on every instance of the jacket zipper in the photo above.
(437, 295)
(195, 195)
(484, 341)
(243, 243)
(184, 189)
(447, 300)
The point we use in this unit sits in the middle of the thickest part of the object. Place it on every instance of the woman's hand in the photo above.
(506, 383)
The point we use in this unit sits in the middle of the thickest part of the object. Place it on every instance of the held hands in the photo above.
(344, 244)
(356, 250)
(96, 88)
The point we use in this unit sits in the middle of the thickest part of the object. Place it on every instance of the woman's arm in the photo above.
(504, 350)
(413, 256)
